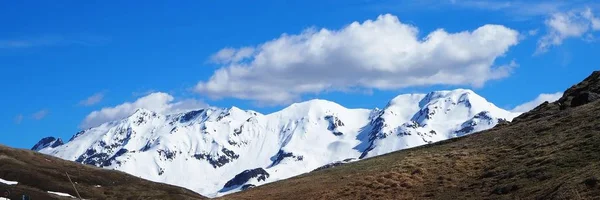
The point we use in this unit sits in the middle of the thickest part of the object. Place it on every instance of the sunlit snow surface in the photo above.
(203, 150)
(8, 182)
(61, 194)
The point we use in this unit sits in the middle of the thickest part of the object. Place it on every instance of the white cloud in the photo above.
(376, 54)
(40, 114)
(52, 40)
(520, 9)
(92, 100)
(158, 102)
(29, 42)
(537, 101)
(142, 93)
(533, 32)
(513, 9)
(19, 119)
(229, 55)
(570, 24)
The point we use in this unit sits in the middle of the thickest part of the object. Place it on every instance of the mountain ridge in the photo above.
(550, 152)
(220, 144)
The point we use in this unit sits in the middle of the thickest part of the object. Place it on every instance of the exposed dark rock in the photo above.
(584, 98)
(405, 133)
(464, 99)
(337, 133)
(218, 160)
(412, 124)
(140, 120)
(166, 154)
(483, 115)
(47, 142)
(120, 152)
(582, 93)
(91, 157)
(109, 161)
(505, 189)
(238, 131)
(222, 115)
(591, 182)
(229, 153)
(334, 122)
(331, 165)
(190, 115)
(425, 113)
(282, 155)
(465, 129)
(376, 126)
(147, 146)
(468, 126)
(502, 122)
(247, 186)
(77, 135)
(259, 173)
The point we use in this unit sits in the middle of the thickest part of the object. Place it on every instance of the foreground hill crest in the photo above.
(550, 152)
(216, 151)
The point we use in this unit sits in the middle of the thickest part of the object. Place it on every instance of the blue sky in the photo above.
(62, 61)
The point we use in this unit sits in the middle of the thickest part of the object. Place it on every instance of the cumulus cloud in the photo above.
(537, 101)
(375, 54)
(40, 114)
(158, 102)
(92, 100)
(19, 119)
(570, 24)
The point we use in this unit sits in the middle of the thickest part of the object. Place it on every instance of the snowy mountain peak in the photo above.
(216, 151)
(313, 104)
(314, 109)
(142, 112)
(457, 95)
(47, 142)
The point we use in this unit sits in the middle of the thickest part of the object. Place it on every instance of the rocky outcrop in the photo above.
(259, 173)
(47, 142)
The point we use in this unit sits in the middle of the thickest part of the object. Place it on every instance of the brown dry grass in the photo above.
(38, 173)
(550, 153)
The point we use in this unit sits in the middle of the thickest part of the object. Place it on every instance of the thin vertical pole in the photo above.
(73, 185)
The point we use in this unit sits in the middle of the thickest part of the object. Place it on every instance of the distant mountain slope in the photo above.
(36, 174)
(217, 151)
(551, 152)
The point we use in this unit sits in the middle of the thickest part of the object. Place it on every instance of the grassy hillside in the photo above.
(38, 173)
(551, 152)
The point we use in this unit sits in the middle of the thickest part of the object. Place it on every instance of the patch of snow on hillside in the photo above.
(61, 194)
(8, 182)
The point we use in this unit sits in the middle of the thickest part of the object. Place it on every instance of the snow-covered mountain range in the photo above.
(216, 151)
